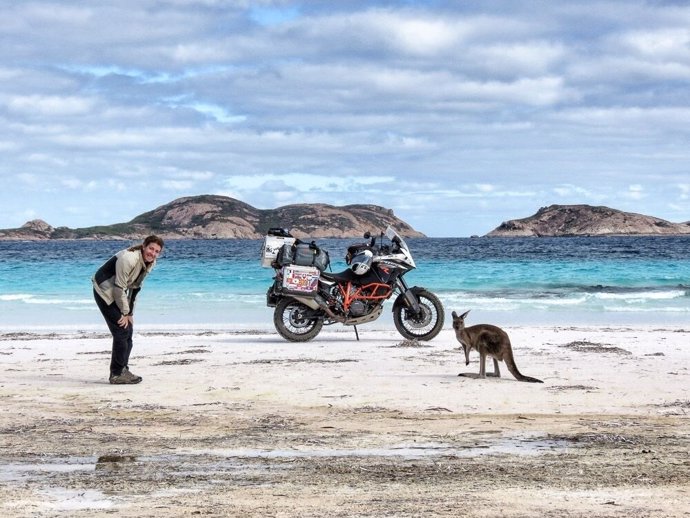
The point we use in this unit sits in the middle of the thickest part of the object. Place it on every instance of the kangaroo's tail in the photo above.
(512, 367)
(529, 379)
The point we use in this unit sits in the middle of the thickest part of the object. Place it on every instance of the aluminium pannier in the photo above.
(272, 246)
(300, 280)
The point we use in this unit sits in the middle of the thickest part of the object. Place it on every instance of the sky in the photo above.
(458, 115)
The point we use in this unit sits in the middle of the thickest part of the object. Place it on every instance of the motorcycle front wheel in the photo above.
(295, 321)
(425, 324)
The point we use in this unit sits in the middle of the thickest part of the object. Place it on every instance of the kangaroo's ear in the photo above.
(455, 315)
(465, 314)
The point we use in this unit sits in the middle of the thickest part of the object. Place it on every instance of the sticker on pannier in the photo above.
(300, 280)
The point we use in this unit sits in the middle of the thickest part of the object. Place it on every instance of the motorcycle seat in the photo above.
(344, 276)
(350, 276)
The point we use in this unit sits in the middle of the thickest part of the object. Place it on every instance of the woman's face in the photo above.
(151, 252)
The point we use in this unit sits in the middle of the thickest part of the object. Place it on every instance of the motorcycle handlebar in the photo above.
(383, 248)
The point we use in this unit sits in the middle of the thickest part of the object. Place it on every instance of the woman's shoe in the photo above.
(125, 378)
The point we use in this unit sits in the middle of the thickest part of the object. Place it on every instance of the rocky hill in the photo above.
(221, 217)
(587, 220)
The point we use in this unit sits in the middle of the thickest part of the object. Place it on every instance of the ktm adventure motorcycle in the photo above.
(306, 297)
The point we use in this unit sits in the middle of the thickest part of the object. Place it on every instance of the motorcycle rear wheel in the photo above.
(422, 326)
(295, 321)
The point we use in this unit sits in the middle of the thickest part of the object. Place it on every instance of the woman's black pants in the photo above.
(122, 337)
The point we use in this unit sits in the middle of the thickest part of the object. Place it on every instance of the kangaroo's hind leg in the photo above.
(497, 372)
(482, 364)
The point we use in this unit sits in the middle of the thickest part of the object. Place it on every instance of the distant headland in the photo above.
(587, 220)
(222, 217)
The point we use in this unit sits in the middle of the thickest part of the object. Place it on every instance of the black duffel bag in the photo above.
(303, 254)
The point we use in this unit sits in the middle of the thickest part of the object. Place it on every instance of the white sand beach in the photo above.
(246, 424)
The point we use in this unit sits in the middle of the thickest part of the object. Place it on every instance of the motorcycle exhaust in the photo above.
(318, 302)
(324, 306)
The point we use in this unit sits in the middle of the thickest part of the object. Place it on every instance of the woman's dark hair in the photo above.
(147, 241)
(153, 239)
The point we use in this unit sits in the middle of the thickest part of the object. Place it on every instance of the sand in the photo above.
(247, 424)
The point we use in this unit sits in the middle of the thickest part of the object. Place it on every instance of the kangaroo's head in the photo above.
(459, 328)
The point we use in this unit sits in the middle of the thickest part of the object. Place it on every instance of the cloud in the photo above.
(49, 105)
(305, 182)
(78, 184)
(412, 105)
(485, 187)
(177, 185)
(635, 192)
(28, 179)
(418, 36)
(511, 59)
(574, 194)
(663, 44)
(684, 189)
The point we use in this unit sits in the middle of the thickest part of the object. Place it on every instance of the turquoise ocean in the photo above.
(219, 284)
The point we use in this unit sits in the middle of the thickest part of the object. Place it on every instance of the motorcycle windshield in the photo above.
(391, 234)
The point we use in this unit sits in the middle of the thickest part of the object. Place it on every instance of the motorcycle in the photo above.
(306, 297)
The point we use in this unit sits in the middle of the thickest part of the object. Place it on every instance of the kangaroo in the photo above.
(490, 341)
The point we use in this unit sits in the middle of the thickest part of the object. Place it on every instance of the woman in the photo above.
(115, 286)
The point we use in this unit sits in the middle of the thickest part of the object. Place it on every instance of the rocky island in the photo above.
(587, 220)
(221, 217)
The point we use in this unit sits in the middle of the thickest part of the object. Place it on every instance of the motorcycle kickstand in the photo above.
(356, 333)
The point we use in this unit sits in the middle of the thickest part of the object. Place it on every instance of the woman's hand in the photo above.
(125, 321)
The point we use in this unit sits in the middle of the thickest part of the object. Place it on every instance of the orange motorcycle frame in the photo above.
(374, 291)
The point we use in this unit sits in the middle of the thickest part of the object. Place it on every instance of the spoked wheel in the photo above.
(295, 321)
(425, 324)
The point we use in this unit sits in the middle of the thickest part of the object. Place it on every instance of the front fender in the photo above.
(408, 299)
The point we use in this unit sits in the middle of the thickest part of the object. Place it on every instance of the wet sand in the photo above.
(246, 424)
